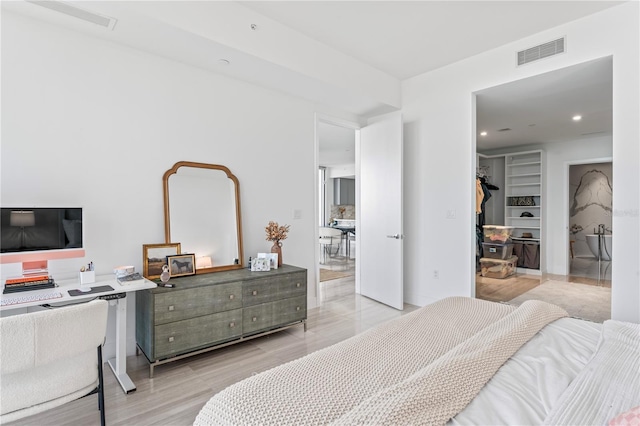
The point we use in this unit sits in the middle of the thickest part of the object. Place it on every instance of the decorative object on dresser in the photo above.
(202, 211)
(182, 265)
(276, 233)
(154, 257)
(261, 264)
(210, 311)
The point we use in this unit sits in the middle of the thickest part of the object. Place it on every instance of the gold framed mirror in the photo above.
(202, 213)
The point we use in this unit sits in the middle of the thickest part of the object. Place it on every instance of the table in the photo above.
(345, 234)
(118, 364)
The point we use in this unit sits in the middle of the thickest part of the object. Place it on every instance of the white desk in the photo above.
(119, 363)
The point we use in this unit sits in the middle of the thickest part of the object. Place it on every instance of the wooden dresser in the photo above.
(209, 311)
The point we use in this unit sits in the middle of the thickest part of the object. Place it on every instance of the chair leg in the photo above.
(100, 388)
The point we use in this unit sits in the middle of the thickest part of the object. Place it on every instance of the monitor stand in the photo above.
(35, 267)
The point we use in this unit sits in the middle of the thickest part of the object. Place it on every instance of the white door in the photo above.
(379, 231)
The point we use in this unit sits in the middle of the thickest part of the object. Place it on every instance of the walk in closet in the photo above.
(519, 202)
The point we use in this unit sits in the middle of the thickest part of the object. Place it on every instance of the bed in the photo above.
(458, 361)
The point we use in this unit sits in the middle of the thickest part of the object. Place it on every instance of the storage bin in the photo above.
(497, 251)
(497, 234)
(498, 268)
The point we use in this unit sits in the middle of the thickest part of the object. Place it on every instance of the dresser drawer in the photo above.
(184, 336)
(292, 285)
(259, 291)
(289, 310)
(182, 304)
(256, 318)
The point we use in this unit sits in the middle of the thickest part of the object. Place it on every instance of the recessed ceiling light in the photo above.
(483, 133)
(577, 117)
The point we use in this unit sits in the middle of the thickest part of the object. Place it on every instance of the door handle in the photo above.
(395, 236)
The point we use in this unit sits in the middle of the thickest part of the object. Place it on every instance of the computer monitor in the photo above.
(34, 235)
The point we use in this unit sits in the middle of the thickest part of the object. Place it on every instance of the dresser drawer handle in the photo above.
(231, 297)
(171, 339)
(297, 308)
(171, 308)
(232, 324)
(297, 284)
(254, 319)
(254, 292)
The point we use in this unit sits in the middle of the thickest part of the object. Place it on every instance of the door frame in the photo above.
(567, 165)
(327, 119)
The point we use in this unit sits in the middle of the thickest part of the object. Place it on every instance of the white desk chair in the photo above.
(329, 238)
(50, 358)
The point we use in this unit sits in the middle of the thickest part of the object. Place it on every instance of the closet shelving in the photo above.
(523, 193)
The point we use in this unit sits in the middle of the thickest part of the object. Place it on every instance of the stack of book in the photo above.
(30, 282)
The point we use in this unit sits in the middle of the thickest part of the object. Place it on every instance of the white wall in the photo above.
(91, 123)
(439, 114)
(556, 209)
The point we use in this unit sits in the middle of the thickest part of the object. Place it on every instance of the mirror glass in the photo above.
(202, 213)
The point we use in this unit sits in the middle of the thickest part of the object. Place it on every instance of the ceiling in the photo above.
(408, 38)
(293, 46)
(540, 109)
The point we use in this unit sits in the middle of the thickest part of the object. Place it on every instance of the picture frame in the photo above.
(260, 264)
(154, 256)
(181, 265)
(273, 259)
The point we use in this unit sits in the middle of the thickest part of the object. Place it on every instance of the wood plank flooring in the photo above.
(505, 289)
(179, 390)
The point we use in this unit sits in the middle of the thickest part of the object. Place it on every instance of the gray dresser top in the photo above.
(214, 278)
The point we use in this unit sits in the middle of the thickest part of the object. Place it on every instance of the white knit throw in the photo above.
(421, 368)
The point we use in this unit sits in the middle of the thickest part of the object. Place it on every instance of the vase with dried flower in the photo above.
(277, 233)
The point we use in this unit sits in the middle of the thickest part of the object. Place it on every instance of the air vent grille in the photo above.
(542, 51)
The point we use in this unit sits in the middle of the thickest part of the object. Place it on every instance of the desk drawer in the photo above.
(183, 336)
(182, 304)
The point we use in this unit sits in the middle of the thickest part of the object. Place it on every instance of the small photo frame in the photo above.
(273, 259)
(181, 265)
(260, 264)
(154, 256)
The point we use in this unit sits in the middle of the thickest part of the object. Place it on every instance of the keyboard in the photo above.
(26, 298)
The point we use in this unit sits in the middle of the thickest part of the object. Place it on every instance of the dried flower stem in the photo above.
(276, 232)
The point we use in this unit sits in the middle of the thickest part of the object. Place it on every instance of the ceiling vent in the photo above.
(76, 12)
(506, 129)
(542, 51)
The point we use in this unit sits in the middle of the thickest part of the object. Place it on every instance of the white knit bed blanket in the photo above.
(608, 385)
(422, 368)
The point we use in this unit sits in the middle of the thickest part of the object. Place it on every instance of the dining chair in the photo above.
(329, 238)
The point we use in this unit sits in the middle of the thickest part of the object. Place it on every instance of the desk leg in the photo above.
(119, 363)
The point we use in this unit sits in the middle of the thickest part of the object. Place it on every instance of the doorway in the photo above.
(337, 207)
(589, 215)
(567, 115)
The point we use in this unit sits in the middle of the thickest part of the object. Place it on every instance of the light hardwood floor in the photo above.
(179, 390)
(506, 289)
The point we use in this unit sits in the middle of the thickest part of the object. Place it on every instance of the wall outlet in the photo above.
(436, 274)
(297, 214)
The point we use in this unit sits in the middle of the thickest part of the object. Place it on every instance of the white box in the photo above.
(87, 277)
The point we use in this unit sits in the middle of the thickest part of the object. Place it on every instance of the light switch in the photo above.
(297, 214)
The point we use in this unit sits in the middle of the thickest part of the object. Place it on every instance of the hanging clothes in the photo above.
(487, 195)
(479, 196)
